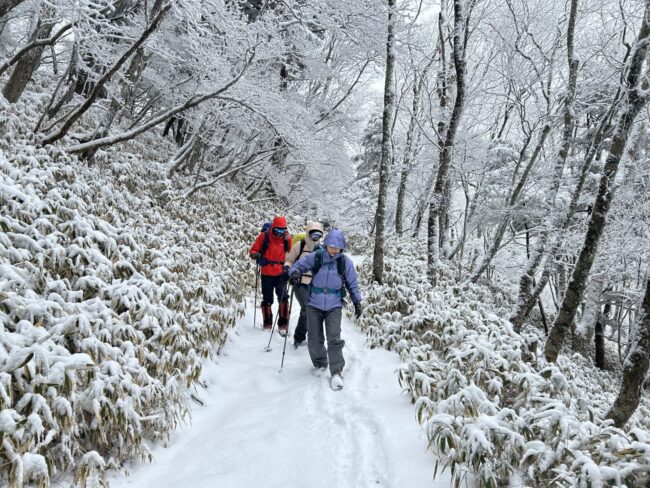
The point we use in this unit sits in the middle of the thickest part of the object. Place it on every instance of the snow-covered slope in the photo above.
(111, 293)
(487, 400)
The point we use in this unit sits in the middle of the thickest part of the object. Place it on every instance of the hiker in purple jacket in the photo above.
(333, 273)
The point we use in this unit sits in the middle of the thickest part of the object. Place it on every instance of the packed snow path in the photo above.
(262, 428)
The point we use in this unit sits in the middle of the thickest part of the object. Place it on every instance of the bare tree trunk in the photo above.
(528, 292)
(30, 60)
(389, 105)
(409, 151)
(7, 5)
(514, 196)
(526, 299)
(635, 367)
(437, 203)
(596, 225)
(81, 109)
(441, 90)
(584, 331)
(599, 337)
(127, 87)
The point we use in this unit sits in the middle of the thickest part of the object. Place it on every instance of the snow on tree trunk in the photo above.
(635, 367)
(409, 151)
(514, 196)
(127, 88)
(7, 5)
(31, 60)
(437, 203)
(389, 106)
(635, 102)
(529, 293)
(584, 331)
(599, 337)
(526, 298)
(76, 113)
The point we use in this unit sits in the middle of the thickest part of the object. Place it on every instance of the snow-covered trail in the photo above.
(263, 428)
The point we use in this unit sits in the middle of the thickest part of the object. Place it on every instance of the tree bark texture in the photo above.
(409, 151)
(529, 294)
(437, 203)
(30, 60)
(99, 86)
(635, 367)
(596, 224)
(512, 200)
(389, 106)
(584, 331)
(7, 5)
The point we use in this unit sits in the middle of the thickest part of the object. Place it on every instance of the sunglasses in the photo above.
(315, 235)
(279, 231)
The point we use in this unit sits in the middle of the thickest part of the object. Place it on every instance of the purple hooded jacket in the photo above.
(328, 275)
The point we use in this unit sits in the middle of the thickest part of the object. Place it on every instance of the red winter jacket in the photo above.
(275, 250)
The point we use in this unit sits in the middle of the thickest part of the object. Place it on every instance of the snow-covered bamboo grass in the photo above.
(487, 399)
(109, 300)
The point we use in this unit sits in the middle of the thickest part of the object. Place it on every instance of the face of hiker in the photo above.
(333, 251)
(315, 235)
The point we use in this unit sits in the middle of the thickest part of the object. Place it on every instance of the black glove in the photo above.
(256, 256)
(294, 279)
(285, 272)
(357, 310)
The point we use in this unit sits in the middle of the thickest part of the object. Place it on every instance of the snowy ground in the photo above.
(263, 428)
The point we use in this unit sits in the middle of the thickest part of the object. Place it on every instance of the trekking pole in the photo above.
(257, 279)
(275, 321)
(287, 335)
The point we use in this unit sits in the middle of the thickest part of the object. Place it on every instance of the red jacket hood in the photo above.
(279, 222)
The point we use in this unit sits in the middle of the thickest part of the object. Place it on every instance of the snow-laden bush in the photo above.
(112, 290)
(488, 403)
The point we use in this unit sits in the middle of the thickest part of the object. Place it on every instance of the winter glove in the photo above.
(256, 256)
(357, 310)
(294, 279)
(285, 272)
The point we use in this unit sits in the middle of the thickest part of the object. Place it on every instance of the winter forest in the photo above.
(487, 160)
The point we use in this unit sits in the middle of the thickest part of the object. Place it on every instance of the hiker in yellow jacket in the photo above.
(310, 243)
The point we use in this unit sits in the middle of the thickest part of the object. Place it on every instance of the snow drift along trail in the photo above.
(263, 428)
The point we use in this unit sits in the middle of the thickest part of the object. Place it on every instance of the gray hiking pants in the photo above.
(333, 355)
(302, 294)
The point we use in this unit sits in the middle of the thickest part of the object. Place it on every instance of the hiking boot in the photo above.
(267, 327)
(319, 371)
(283, 330)
(297, 344)
(336, 381)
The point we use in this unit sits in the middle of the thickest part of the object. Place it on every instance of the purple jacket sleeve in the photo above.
(351, 278)
(304, 264)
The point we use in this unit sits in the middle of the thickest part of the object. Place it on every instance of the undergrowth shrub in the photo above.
(488, 403)
(112, 291)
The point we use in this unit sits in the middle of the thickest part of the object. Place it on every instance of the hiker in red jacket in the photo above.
(269, 251)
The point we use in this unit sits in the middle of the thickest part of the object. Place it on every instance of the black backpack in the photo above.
(340, 267)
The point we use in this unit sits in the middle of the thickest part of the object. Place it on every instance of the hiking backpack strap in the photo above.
(318, 261)
(265, 246)
(265, 243)
(341, 262)
(340, 268)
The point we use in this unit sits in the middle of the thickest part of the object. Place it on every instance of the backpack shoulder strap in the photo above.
(302, 246)
(318, 261)
(265, 243)
(341, 263)
(340, 266)
(286, 244)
